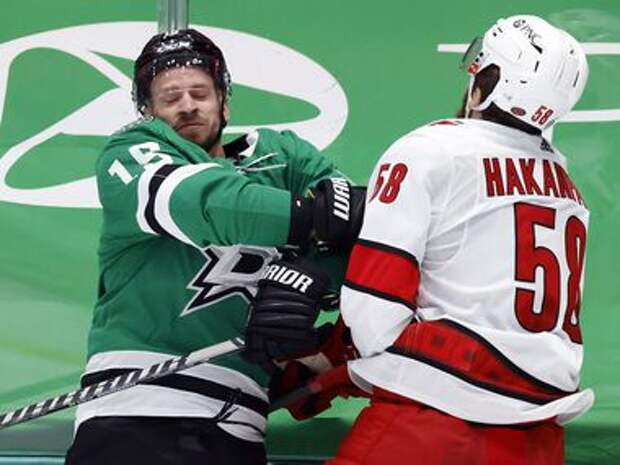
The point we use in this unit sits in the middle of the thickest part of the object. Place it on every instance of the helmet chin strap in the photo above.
(467, 100)
(223, 120)
(223, 124)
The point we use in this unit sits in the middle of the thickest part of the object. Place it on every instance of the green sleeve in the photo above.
(148, 186)
(220, 206)
(309, 164)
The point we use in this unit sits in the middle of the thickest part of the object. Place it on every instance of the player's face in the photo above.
(187, 99)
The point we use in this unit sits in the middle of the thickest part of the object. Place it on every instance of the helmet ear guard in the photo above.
(542, 69)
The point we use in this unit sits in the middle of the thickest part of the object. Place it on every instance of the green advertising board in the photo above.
(352, 77)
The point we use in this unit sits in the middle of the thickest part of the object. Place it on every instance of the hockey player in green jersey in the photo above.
(189, 226)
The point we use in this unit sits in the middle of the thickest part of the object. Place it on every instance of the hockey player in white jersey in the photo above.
(463, 292)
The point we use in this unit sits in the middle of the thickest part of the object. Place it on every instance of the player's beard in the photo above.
(203, 133)
(216, 139)
(213, 140)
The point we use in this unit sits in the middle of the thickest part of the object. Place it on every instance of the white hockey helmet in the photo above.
(542, 69)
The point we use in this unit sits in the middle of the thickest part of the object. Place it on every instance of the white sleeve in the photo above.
(406, 191)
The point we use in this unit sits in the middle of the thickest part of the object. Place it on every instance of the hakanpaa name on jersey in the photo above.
(464, 289)
(528, 176)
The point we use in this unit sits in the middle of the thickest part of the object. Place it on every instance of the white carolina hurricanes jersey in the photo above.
(464, 289)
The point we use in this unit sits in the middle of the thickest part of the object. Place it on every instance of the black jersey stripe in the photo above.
(154, 185)
(189, 384)
(233, 148)
(481, 384)
(379, 294)
(506, 361)
(389, 249)
(539, 393)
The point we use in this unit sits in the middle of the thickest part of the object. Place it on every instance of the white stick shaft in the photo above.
(119, 383)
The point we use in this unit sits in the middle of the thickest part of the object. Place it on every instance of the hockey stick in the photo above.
(120, 383)
(321, 382)
(313, 387)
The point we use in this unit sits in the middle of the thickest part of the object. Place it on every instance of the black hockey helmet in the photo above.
(187, 47)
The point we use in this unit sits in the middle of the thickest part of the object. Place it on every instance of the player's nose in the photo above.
(187, 104)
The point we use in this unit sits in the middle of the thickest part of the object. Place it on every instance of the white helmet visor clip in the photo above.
(471, 62)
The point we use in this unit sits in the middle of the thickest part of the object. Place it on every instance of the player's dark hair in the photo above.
(486, 80)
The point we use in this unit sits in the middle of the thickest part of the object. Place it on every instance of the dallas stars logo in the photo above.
(228, 271)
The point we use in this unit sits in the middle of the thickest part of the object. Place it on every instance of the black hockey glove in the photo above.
(288, 302)
(334, 213)
(338, 214)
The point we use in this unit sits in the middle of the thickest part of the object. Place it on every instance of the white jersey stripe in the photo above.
(147, 400)
(164, 194)
(129, 359)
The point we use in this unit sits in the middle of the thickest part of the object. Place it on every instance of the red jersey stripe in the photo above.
(455, 349)
(384, 271)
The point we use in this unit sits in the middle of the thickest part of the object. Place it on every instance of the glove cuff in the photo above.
(300, 276)
(301, 221)
(338, 214)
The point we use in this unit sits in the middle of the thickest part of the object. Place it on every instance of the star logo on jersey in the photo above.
(228, 271)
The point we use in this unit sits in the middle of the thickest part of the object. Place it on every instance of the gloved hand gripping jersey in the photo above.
(338, 213)
(334, 213)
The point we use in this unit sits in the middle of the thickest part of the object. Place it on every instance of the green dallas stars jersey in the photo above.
(173, 275)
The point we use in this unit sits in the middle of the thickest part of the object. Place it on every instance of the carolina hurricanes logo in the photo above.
(254, 62)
